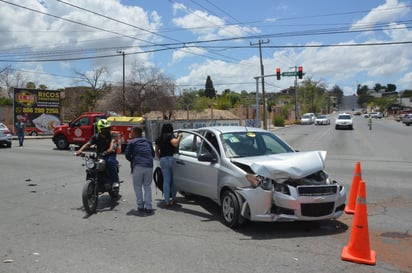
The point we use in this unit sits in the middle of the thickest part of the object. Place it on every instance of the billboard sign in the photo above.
(39, 109)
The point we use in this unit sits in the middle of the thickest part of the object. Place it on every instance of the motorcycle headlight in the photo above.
(90, 163)
(101, 165)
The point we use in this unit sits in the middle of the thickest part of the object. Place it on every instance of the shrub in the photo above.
(279, 121)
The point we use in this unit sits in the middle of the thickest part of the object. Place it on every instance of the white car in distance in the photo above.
(344, 121)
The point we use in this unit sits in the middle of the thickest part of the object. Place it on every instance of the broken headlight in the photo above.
(257, 180)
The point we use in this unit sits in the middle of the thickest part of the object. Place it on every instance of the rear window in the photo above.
(343, 117)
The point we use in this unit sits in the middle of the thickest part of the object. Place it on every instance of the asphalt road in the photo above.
(44, 228)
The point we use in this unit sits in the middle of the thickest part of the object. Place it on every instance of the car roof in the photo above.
(232, 129)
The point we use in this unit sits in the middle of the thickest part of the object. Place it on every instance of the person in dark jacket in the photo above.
(139, 151)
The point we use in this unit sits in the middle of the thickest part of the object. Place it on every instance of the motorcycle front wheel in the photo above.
(90, 196)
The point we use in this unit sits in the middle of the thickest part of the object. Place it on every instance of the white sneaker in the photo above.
(116, 185)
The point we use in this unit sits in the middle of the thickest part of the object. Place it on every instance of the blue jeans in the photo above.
(21, 138)
(169, 189)
(111, 165)
(142, 177)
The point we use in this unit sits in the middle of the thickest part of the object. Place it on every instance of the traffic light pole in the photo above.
(296, 94)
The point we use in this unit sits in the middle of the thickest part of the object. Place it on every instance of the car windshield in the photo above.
(344, 117)
(321, 116)
(306, 116)
(244, 144)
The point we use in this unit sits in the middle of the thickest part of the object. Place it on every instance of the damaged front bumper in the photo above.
(303, 203)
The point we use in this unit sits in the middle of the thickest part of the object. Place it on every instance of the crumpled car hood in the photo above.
(288, 165)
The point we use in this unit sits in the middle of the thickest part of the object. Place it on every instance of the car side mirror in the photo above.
(207, 157)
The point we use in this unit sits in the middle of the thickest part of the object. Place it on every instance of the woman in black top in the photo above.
(166, 146)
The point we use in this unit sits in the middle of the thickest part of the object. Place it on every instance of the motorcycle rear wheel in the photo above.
(90, 196)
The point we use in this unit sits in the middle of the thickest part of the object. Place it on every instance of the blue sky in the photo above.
(342, 43)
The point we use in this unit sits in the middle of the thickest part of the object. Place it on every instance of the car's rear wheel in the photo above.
(230, 209)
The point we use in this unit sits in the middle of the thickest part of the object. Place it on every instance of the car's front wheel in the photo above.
(62, 143)
(230, 209)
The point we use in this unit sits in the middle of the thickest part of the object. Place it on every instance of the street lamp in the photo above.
(123, 90)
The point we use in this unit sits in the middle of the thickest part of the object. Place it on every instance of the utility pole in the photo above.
(123, 90)
(262, 73)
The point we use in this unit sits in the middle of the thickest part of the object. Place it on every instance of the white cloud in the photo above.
(388, 12)
(187, 51)
(406, 80)
(209, 27)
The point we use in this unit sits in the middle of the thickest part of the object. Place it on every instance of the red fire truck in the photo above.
(82, 128)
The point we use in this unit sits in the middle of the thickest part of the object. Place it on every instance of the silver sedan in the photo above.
(5, 136)
(322, 120)
(253, 174)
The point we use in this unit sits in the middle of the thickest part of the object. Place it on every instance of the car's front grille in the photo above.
(316, 210)
(317, 190)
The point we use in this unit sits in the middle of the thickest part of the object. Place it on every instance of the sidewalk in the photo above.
(34, 137)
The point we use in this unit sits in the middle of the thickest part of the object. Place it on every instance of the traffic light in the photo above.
(278, 73)
(300, 72)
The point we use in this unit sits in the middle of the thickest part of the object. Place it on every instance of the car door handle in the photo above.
(180, 162)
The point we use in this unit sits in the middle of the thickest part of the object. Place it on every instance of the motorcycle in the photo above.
(98, 181)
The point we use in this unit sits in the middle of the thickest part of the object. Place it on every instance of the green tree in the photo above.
(202, 103)
(391, 87)
(363, 96)
(378, 87)
(5, 101)
(187, 101)
(312, 96)
(210, 91)
(31, 85)
(336, 92)
(223, 103)
(385, 103)
(43, 86)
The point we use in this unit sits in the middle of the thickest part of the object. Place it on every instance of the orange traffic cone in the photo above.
(357, 176)
(358, 250)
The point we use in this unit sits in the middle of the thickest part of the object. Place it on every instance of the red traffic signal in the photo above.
(300, 72)
(278, 73)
